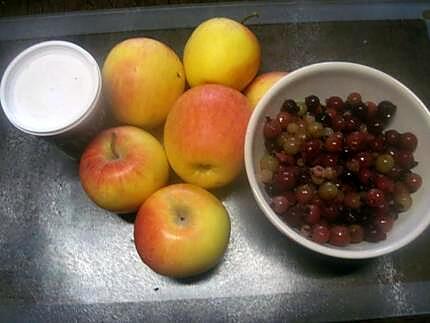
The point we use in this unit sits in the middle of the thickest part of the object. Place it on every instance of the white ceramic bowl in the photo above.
(340, 78)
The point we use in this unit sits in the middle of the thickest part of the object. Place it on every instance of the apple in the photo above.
(142, 78)
(222, 51)
(260, 85)
(204, 135)
(181, 230)
(121, 167)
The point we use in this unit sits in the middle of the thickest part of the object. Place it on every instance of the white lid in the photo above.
(50, 87)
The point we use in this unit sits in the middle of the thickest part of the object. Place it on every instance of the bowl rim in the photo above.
(251, 172)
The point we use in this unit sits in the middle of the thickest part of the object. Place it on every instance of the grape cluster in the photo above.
(333, 173)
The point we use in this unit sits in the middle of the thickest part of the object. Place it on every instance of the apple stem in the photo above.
(113, 147)
(252, 15)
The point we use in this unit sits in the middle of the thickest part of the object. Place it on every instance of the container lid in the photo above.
(50, 87)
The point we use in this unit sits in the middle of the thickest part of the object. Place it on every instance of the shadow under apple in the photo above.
(127, 217)
(199, 278)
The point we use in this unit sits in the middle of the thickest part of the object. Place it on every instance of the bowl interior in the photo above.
(325, 80)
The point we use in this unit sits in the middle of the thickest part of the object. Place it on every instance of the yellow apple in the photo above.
(260, 85)
(222, 51)
(204, 135)
(142, 78)
(121, 167)
(181, 230)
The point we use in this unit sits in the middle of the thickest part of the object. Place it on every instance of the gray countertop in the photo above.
(63, 258)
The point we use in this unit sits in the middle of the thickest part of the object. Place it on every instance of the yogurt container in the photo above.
(52, 90)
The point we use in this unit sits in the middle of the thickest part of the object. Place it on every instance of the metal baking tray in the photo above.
(64, 259)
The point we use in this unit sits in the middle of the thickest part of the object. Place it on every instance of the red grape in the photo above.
(408, 141)
(320, 233)
(413, 182)
(312, 214)
(375, 197)
(339, 236)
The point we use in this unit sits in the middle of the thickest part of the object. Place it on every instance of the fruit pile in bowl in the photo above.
(331, 155)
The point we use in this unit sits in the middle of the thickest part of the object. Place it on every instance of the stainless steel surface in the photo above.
(186, 16)
(63, 258)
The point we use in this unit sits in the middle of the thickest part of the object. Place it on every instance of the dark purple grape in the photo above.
(348, 177)
(366, 176)
(375, 127)
(359, 110)
(374, 234)
(312, 103)
(376, 144)
(408, 141)
(386, 111)
(351, 123)
(392, 137)
(290, 106)
(324, 118)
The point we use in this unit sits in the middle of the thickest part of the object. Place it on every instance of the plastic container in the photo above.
(52, 90)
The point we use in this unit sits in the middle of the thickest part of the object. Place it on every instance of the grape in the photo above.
(304, 193)
(356, 232)
(413, 182)
(320, 233)
(272, 128)
(327, 191)
(375, 197)
(403, 201)
(354, 98)
(284, 118)
(374, 234)
(279, 204)
(269, 162)
(312, 103)
(291, 146)
(392, 137)
(313, 214)
(339, 236)
(352, 200)
(333, 143)
(335, 102)
(290, 106)
(384, 163)
(408, 141)
(386, 111)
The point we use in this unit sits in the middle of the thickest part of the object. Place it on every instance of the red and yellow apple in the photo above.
(121, 167)
(222, 51)
(204, 135)
(181, 230)
(260, 85)
(142, 78)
